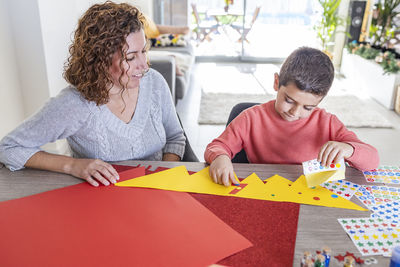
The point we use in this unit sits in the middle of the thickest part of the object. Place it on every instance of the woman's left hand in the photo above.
(171, 157)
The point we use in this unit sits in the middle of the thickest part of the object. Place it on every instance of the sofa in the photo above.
(166, 59)
(172, 58)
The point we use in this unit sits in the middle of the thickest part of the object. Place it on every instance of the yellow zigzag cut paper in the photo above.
(275, 188)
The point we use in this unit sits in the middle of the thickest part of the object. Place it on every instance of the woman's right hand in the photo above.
(221, 171)
(94, 171)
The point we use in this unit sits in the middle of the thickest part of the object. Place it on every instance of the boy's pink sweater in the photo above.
(267, 138)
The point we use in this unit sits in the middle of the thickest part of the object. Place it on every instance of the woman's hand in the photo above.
(221, 171)
(333, 152)
(94, 171)
(171, 157)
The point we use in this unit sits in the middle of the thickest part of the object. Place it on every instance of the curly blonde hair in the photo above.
(101, 32)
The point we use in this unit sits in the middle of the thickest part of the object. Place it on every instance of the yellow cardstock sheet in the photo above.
(171, 179)
(320, 196)
(178, 179)
(275, 188)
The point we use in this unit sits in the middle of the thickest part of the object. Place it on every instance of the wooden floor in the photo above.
(387, 141)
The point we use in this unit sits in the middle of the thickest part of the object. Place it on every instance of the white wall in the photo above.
(29, 51)
(145, 6)
(11, 104)
(58, 20)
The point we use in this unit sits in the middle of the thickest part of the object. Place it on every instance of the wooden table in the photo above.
(317, 226)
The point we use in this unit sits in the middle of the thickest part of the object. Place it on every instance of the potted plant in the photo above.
(382, 28)
(327, 24)
(374, 64)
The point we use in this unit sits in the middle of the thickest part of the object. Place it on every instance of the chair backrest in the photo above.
(255, 15)
(196, 14)
(240, 157)
(248, 25)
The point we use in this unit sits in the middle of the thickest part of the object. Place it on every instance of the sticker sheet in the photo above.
(372, 236)
(365, 197)
(384, 194)
(383, 174)
(377, 195)
(387, 211)
(342, 188)
(376, 243)
(362, 225)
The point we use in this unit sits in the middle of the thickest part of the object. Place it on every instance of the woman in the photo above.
(115, 109)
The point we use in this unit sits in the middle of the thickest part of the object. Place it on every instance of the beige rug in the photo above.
(352, 111)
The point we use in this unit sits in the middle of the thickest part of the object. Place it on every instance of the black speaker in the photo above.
(357, 10)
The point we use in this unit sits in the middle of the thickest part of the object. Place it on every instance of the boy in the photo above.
(291, 129)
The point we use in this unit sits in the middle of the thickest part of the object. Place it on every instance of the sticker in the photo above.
(383, 174)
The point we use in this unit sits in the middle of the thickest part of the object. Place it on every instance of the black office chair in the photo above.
(240, 157)
(189, 155)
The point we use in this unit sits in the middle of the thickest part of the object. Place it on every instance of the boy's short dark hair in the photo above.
(309, 69)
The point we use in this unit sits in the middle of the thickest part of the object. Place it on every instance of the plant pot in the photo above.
(369, 74)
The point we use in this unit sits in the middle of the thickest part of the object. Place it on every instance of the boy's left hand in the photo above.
(333, 152)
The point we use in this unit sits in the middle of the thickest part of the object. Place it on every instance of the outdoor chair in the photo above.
(204, 27)
(240, 157)
(244, 30)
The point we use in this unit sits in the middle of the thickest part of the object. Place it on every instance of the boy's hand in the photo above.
(333, 152)
(221, 171)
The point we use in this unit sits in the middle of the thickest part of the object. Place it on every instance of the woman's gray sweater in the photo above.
(95, 132)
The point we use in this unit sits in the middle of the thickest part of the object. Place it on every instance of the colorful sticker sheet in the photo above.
(316, 174)
(362, 225)
(342, 188)
(372, 236)
(383, 201)
(388, 211)
(383, 174)
(377, 195)
(378, 234)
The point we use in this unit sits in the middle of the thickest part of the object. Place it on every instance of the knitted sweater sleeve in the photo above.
(175, 142)
(59, 118)
(365, 157)
(231, 141)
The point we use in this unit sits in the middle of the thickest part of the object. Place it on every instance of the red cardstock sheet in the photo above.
(82, 225)
(271, 226)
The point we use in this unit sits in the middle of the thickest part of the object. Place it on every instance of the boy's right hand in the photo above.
(221, 171)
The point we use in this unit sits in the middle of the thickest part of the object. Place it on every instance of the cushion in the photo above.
(183, 61)
(168, 40)
(150, 28)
